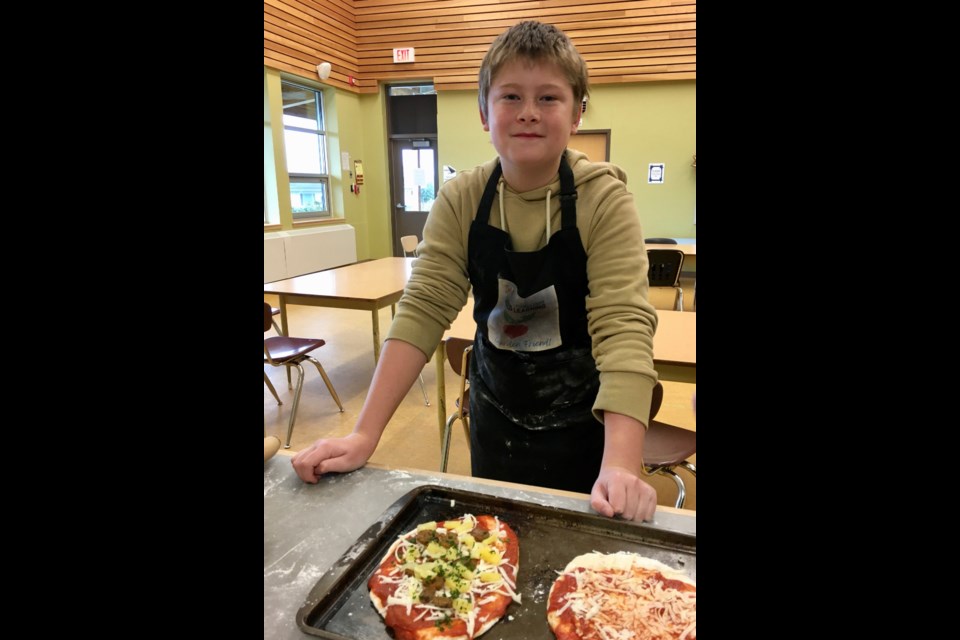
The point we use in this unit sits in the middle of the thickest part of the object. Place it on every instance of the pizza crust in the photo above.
(623, 561)
(482, 626)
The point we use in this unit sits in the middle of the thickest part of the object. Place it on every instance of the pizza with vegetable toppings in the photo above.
(447, 580)
(622, 595)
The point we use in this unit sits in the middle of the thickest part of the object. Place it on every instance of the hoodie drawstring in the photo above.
(548, 215)
(503, 212)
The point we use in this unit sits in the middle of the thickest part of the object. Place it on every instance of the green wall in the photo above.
(649, 122)
(375, 192)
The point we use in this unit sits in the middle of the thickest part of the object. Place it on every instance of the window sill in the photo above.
(303, 224)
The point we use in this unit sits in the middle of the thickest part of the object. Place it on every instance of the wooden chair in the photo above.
(664, 278)
(284, 351)
(666, 447)
(409, 244)
(458, 354)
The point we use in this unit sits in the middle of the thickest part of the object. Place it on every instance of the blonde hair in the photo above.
(534, 41)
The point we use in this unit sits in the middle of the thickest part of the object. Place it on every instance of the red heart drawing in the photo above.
(514, 330)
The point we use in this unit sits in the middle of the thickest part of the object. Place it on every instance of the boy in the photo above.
(562, 371)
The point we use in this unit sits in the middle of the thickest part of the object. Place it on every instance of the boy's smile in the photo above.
(531, 117)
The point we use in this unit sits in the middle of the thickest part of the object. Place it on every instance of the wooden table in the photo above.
(365, 285)
(674, 350)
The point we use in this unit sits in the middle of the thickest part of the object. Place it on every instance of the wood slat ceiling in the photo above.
(621, 40)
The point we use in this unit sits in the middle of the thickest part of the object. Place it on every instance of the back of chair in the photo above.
(455, 348)
(665, 267)
(409, 244)
(667, 447)
(656, 400)
(659, 241)
(458, 354)
(267, 317)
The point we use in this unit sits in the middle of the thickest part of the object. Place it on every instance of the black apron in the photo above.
(533, 379)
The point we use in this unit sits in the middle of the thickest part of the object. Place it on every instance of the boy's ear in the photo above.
(483, 121)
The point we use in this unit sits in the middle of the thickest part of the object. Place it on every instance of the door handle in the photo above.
(400, 205)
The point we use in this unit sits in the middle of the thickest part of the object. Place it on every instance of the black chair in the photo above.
(666, 447)
(660, 241)
(663, 275)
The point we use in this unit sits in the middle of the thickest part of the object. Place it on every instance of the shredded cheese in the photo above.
(628, 601)
(464, 586)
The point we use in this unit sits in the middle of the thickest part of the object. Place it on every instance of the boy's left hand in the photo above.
(617, 491)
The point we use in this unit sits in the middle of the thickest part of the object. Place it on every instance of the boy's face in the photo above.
(530, 115)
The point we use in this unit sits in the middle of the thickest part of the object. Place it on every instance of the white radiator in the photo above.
(293, 253)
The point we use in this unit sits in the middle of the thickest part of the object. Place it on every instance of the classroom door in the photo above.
(414, 186)
(412, 130)
(595, 143)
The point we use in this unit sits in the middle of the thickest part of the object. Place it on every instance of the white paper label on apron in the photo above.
(524, 324)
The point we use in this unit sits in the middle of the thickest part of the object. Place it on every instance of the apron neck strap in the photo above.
(486, 202)
(568, 195)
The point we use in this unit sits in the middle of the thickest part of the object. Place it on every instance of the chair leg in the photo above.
(689, 466)
(445, 444)
(296, 401)
(680, 299)
(681, 492)
(423, 388)
(270, 386)
(466, 429)
(326, 380)
(276, 328)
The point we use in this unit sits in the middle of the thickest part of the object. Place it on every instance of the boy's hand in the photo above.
(617, 491)
(334, 454)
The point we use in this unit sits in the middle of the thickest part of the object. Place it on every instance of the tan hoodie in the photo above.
(620, 320)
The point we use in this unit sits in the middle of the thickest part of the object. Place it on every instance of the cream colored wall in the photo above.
(649, 123)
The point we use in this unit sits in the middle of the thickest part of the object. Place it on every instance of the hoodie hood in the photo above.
(584, 171)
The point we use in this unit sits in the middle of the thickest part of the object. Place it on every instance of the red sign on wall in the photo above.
(403, 54)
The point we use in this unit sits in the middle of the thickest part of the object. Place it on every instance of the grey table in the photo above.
(307, 528)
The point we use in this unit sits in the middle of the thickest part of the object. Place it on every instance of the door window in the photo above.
(419, 171)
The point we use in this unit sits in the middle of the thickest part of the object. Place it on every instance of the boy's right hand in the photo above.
(332, 454)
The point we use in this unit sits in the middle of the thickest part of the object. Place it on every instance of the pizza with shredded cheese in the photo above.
(622, 596)
(447, 580)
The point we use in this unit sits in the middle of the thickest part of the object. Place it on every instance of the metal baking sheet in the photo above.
(339, 608)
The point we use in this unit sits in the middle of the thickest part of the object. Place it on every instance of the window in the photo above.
(306, 146)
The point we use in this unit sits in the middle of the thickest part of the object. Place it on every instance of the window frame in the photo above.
(322, 178)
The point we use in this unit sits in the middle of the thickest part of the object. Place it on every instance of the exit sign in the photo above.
(403, 54)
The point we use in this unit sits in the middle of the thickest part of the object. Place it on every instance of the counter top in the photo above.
(307, 528)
